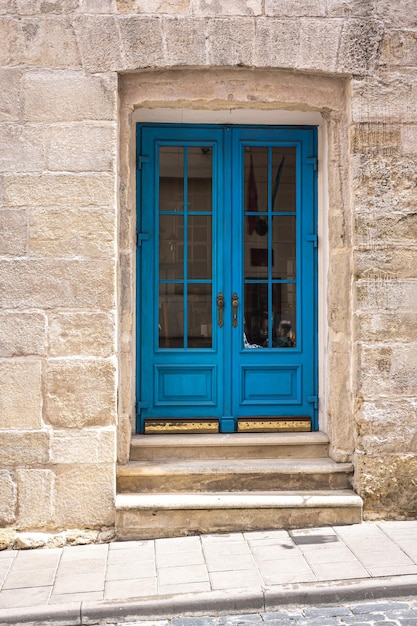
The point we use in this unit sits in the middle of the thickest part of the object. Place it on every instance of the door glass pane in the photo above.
(200, 324)
(283, 247)
(256, 250)
(200, 179)
(171, 315)
(284, 314)
(171, 247)
(255, 182)
(199, 246)
(171, 178)
(283, 179)
(256, 314)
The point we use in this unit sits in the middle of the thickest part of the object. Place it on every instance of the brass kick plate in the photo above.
(177, 426)
(274, 425)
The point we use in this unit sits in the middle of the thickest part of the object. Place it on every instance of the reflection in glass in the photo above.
(283, 244)
(200, 325)
(171, 178)
(171, 315)
(171, 246)
(283, 179)
(255, 181)
(270, 325)
(200, 178)
(199, 246)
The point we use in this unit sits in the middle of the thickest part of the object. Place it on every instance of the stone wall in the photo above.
(67, 223)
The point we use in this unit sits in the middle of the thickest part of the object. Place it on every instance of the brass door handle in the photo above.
(235, 305)
(220, 307)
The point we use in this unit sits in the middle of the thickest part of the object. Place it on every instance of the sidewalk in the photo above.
(242, 572)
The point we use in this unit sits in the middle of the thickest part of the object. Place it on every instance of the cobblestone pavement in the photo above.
(395, 613)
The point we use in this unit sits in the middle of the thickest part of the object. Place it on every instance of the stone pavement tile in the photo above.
(182, 574)
(223, 539)
(18, 598)
(272, 536)
(131, 545)
(194, 621)
(241, 579)
(183, 588)
(394, 570)
(234, 547)
(172, 559)
(291, 571)
(8, 554)
(77, 583)
(246, 618)
(30, 578)
(133, 588)
(377, 558)
(229, 562)
(177, 544)
(130, 569)
(33, 559)
(83, 566)
(75, 553)
(144, 553)
(339, 571)
(336, 554)
(67, 598)
(5, 565)
(274, 553)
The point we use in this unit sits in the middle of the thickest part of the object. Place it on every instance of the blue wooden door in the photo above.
(226, 267)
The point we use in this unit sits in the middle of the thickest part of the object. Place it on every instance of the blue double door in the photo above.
(227, 280)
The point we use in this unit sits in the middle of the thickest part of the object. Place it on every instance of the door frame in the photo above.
(315, 270)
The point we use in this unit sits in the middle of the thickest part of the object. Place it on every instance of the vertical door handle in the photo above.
(220, 307)
(235, 305)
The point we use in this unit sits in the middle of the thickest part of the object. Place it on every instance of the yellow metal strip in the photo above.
(177, 426)
(256, 425)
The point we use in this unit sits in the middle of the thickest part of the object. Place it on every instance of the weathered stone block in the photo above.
(49, 42)
(14, 232)
(90, 446)
(72, 233)
(380, 291)
(84, 495)
(409, 139)
(35, 497)
(99, 41)
(21, 149)
(97, 6)
(81, 334)
(387, 426)
(185, 41)
(231, 41)
(12, 38)
(277, 42)
(387, 484)
(399, 47)
(68, 96)
(53, 283)
(81, 147)
(10, 94)
(350, 8)
(339, 291)
(6, 7)
(319, 44)
(20, 394)
(295, 8)
(216, 8)
(386, 326)
(24, 448)
(142, 41)
(22, 334)
(359, 45)
(390, 100)
(8, 499)
(397, 14)
(389, 370)
(33, 7)
(396, 262)
(80, 393)
(375, 138)
(59, 189)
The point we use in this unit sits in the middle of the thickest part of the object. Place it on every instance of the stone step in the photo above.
(229, 446)
(151, 516)
(224, 475)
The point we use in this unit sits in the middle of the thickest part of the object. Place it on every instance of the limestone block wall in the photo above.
(67, 219)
